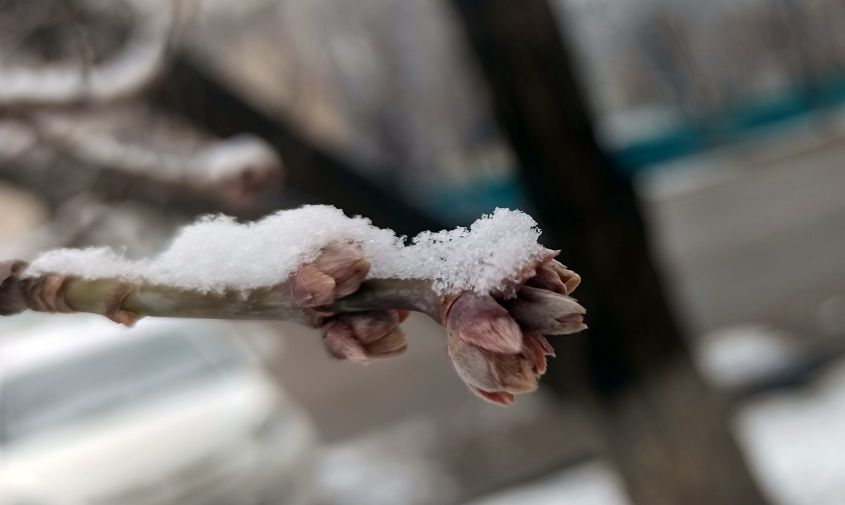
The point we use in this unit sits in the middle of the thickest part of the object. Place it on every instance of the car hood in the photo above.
(192, 433)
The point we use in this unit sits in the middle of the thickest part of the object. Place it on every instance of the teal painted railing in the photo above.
(753, 119)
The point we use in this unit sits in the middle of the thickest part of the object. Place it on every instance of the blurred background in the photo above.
(687, 157)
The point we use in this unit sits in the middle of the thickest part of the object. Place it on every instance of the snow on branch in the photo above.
(137, 144)
(139, 62)
(487, 256)
(143, 143)
(104, 140)
(493, 286)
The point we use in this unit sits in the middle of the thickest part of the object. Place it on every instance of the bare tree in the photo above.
(72, 79)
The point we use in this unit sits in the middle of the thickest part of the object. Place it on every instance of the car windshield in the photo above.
(97, 383)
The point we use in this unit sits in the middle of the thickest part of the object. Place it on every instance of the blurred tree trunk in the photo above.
(666, 430)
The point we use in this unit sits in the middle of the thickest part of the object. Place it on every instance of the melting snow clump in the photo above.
(218, 253)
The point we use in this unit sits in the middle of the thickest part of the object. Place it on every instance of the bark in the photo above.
(667, 431)
(124, 301)
(496, 345)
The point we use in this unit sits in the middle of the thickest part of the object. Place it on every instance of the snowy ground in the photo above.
(795, 444)
(794, 440)
(589, 484)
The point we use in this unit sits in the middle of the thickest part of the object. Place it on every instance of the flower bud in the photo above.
(569, 278)
(363, 336)
(12, 299)
(311, 287)
(536, 350)
(545, 312)
(494, 376)
(338, 271)
(482, 322)
(345, 263)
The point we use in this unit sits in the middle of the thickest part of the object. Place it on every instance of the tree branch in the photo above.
(496, 341)
(139, 62)
(152, 156)
(125, 302)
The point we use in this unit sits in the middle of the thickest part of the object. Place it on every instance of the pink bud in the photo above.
(497, 397)
(338, 271)
(547, 278)
(345, 263)
(569, 278)
(536, 349)
(12, 299)
(340, 343)
(363, 336)
(481, 321)
(545, 312)
(311, 287)
(490, 374)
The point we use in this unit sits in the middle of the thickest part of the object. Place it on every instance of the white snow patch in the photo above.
(742, 353)
(392, 467)
(589, 484)
(217, 253)
(796, 442)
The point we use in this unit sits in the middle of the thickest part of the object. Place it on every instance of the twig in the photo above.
(496, 341)
(137, 147)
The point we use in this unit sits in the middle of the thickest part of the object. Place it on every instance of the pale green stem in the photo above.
(265, 303)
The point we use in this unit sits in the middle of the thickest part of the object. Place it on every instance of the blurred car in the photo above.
(169, 412)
